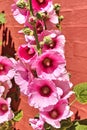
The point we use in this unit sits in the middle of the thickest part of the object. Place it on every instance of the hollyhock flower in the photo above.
(43, 90)
(23, 76)
(52, 18)
(4, 87)
(6, 69)
(49, 65)
(28, 30)
(38, 24)
(52, 40)
(37, 124)
(27, 53)
(53, 115)
(64, 83)
(41, 4)
(20, 14)
(5, 111)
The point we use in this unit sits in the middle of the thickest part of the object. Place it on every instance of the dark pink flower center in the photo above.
(39, 27)
(30, 51)
(1, 67)
(47, 62)
(45, 90)
(54, 114)
(40, 1)
(4, 107)
(52, 44)
(26, 52)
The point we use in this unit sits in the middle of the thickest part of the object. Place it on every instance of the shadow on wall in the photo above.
(8, 48)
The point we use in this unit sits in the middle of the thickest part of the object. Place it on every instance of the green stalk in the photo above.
(45, 24)
(37, 42)
(31, 9)
(35, 31)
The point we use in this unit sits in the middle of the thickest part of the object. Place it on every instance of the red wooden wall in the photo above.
(74, 27)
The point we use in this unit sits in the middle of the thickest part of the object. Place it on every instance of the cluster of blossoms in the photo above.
(40, 69)
(6, 74)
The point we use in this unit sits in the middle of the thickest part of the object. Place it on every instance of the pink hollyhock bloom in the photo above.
(5, 111)
(39, 27)
(52, 17)
(6, 69)
(38, 23)
(37, 124)
(53, 115)
(27, 53)
(64, 83)
(4, 87)
(43, 90)
(52, 39)
(23, 75)
(49, 65)
(41, 4)
(20, 14)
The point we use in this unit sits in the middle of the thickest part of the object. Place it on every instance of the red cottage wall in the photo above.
(74, 27)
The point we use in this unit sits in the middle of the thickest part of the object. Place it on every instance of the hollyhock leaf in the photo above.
(65, 124)
(18, 116)
(79, 125)
(2, 18)
(81, 92)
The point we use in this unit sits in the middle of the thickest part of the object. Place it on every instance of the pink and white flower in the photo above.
(5, 110)
(23, 76)
(52, 40)
(20, 14)
(41, 4)
(50, 65)
(43, 90)
(64, 83)
(6, 69)
(37, 124)
(27, 53)
(4, 87)
(53, 115)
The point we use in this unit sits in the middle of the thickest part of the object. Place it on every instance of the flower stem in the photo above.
(34, 27)
(36, 37)
(31, 9)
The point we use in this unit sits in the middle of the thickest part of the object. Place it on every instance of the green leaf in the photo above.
(79, 125)
(64, 125)
(81, 92)
(18, 116)
(2, 18)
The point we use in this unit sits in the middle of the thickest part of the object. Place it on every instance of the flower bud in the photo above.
(57, 7)
(21, 4)
(27, 31)
(61, 18)
(41, 15)
(32, 20)
(47, 40)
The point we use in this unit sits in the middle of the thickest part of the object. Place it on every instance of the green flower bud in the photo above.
(47, 40)
(28, 31)
(32, 20)
(57, 7)
(61, 18)
(42, 15)
(21, 4)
